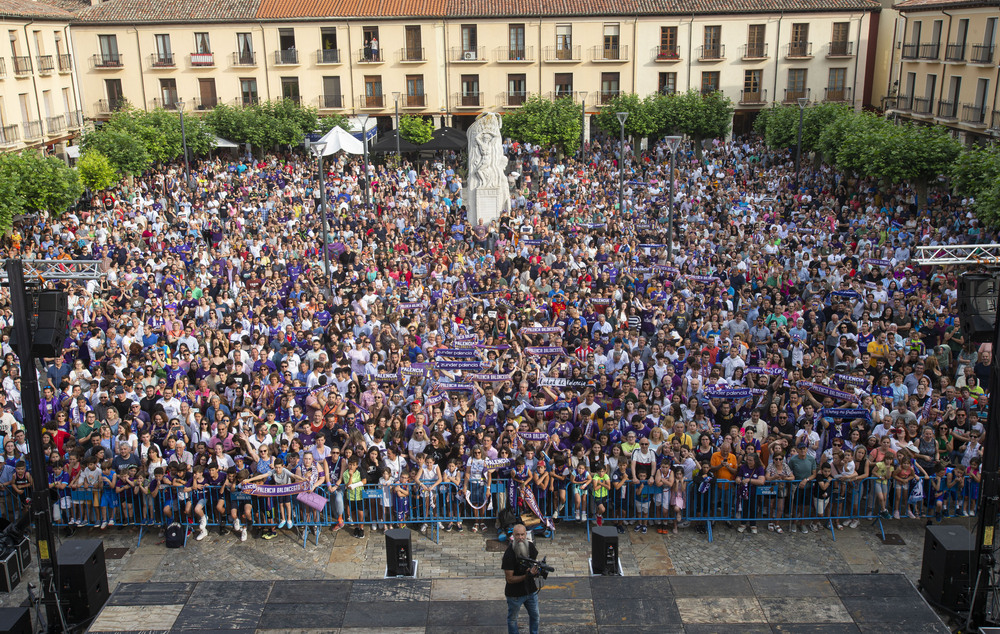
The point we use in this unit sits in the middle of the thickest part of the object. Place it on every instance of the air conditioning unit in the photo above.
(469, 56)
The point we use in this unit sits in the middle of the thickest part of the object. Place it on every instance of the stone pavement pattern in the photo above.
(690, 604)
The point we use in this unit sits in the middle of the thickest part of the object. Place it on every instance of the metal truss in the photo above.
(44, 270)
(958, 254)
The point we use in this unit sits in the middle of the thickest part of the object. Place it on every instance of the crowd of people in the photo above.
(789, 338)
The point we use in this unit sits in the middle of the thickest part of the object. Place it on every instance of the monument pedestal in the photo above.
(487, 204)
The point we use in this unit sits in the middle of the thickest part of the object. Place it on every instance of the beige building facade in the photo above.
(948, 70)
(39, 90)
(454, 59)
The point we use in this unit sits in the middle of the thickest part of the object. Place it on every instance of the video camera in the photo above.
(543, 568)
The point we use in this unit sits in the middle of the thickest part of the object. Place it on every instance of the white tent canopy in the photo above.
(338, 139)
(220, 142)
(73, 151)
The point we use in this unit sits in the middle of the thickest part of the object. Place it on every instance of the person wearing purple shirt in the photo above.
(749, 476)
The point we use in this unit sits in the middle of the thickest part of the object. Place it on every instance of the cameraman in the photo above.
(521, 588)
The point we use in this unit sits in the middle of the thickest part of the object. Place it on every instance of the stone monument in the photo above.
(487, 193)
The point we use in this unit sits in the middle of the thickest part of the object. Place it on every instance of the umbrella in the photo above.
(447, 139)
(387, 144)
(338, 139)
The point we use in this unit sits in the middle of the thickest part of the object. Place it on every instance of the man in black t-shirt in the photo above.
(521, 588)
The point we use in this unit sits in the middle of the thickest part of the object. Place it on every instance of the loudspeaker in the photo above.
(604, 550)
(977, 306)
(24, 553)
(949, 552)
(83, 578)
(52, 323)
(15, 621)
(10, 571)
(398, 553)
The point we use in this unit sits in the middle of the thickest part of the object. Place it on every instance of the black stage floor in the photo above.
(690, 604)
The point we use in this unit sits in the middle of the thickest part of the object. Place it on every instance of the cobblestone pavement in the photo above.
(468, 555)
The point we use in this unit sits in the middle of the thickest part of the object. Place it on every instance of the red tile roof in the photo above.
(918, 5)
(114, 11)
(30, 9)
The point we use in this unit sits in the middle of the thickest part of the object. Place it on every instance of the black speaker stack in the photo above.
(49, 323)
(945, 578)
(83, 578)
(398, 553)
(15, 556)
(977, 306)
(604, 551)
(15, 621)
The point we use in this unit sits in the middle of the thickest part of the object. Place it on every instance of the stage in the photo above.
(747, 604)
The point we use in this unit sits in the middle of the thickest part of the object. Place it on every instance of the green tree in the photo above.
(11, 198)
(698, 116)
(43, 183)
(780, 125)
(333, 121)
(416, 130)
(128, 157)
(96, 171)
(642, 116)
(976, 173)
(540, 121)
(264, 125)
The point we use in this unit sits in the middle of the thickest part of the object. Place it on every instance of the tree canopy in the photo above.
(416, 130)
(976, 174)
(540, 121)
(30, 183)
(268, 124)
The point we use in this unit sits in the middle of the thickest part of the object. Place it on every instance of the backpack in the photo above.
(174, 535)
(507, 518)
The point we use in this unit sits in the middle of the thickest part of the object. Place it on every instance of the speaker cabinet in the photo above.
(398, 553)
(52, 324)
(604, 550)
(83, 577)
(15, 621)
(24, 553)
(977, 306)
(949, 552)
(10, 571)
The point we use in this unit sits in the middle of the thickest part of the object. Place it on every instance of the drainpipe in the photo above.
(34, 80)
(447, 77)
(267, 72)
(947, 38)
(350, 69)
(142, 76)
(892, 52)
(540, 53)
(690, 49)
(635, 51)
(857, 61)
(777, 57)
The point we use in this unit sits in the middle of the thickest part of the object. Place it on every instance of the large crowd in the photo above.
(788, 340)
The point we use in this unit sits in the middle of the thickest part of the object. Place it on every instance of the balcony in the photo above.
(9, 134)
(947, 109)
(981, 54)
(371, 102)
(412, 55)
(469, 100)
(166, 104)
(202, 60)
(32, 130)
(973, 115)
(955, 53)
(609, 54)
(840, 49)
(202, 105)
(753, 97)
(562, 54)
(521, 55)
(328, 56)
(930, 51)
(921, 106)
(157, 60)
(472, 55)
(244, 59)
(996, 120)
(287, 57)
(107, 106)
(799, 50)
(666, 54)
(557, 94)
(414, 101)
(46, 64)
(910, 51)
(331, 102)
(74, 119)
(55, 125)
(607, 96)
(513, 98)
(754, 50)
(65, 63)
(368, 56)
(793, 96)
(903, 102)
(837, 95)
(712, 53)
(112, 61)
(22, 65)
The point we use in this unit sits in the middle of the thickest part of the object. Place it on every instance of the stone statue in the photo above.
(487, 189)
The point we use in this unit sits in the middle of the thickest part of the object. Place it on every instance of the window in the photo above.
(796, 84)
(755, 40)
(248, 90)
(202, 44)
(713, 42)
(516, 89)
(415, 96)
(982, 90)
(47, 102)
(207, 97)
(164, 57)
(328, 51)
(838, 43)
(836, 85)
(414, 47)
(369, 35)
(67, 101)
(290, 88)
(709, 82)
(930, 86)
(564, 84)
(373, 91)
(936, 28)
(611, 41)
(286, 47)
(14, 48)
(109, 50)
(610, 86)
(25, 107)
(470, 42)
(667, 83)
(751, 85)
(244, 48)
(799, 46)
(470, 90)
(515, 40)
(564, 41)
(168, 93)
(332, 97)
(668, 43)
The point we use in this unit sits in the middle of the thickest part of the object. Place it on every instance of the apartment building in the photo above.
(949, 69)
(39, 92)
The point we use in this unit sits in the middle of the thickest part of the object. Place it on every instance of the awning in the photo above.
(338, 139)
(73, 151)
(220, 142)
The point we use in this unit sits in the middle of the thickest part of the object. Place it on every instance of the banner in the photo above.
(540, 330)
(410, 305)
(876, 262)
(828, 391)
(534, 242)
(498, 463)
(845, 412)
(458, 365)
(853, 380)
(852, 294)
(545, 350)
(489, 378)
(529, 499)
(384, 377)
(652, 246)
(768, 371)
(600, 301)
(704, 279)
(455, 352)
(733, 392)
(434, 400)
(533, 435)
(554, 381)
(663, 268)
(411, 372)
(275, 490)
(499, 348)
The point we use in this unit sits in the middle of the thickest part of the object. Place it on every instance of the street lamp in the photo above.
(319, 148)
(187, 168)
(621, 162)
(673, 144)
(395, 96)
(798, 152)
(363, 119)
(583, 119)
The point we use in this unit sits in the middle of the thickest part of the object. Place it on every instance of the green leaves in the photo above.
(780, 125)
(547, 123)
(642, 116)
(330, 122)
(127, 154)
(266, 124)
(690, 113)
(30, 182)
(976, 173)
(96, 171)
(416, 130)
